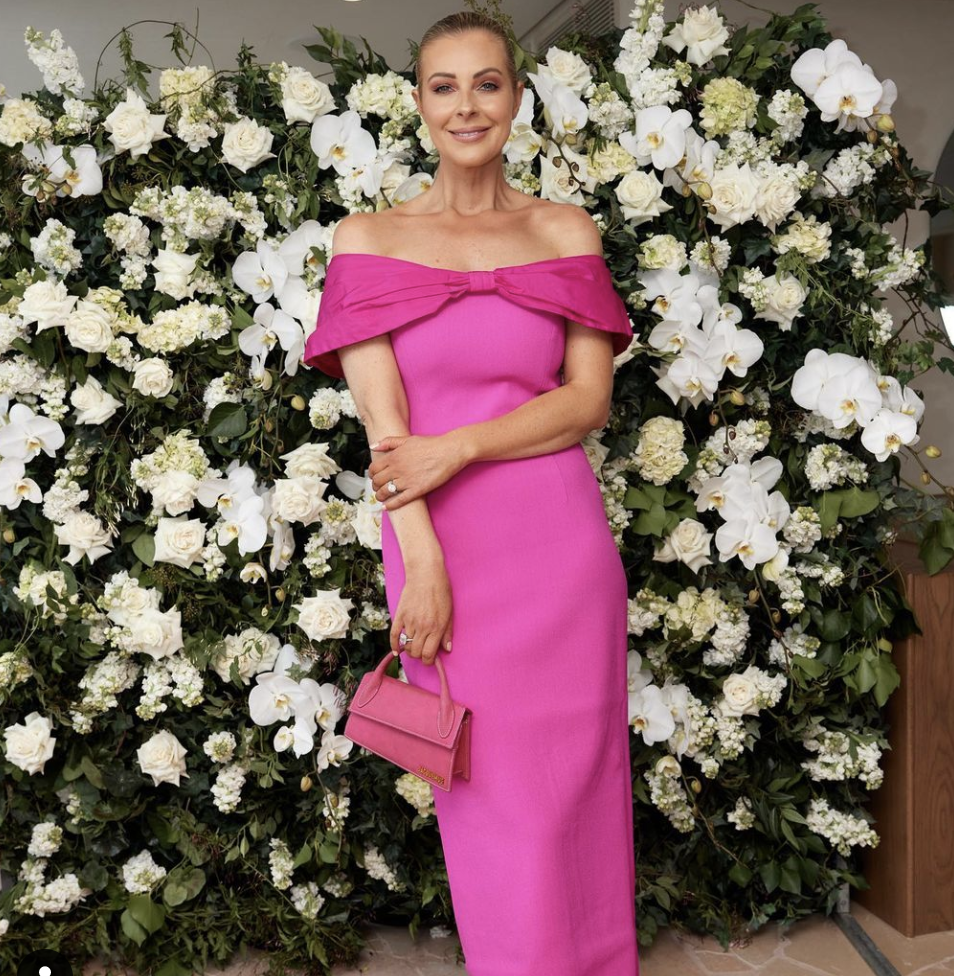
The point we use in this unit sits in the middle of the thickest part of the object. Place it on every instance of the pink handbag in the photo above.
(423, 732)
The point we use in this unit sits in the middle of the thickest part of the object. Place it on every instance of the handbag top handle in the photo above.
(445, 713)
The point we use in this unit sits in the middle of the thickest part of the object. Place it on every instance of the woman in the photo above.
(450, 317)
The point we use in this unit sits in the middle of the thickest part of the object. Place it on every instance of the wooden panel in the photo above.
(911, 872)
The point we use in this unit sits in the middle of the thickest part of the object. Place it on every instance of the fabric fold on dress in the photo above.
(366, 295)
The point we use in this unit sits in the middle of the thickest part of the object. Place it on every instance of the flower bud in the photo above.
(738, 398)
(932, 451)
(714, 419)
(703, 191)
(266, 381)
(306, 783)
(872, 136)
(280, 594)
(298, 402)
(695, 785)
(753, 596)
(269, 425)
(925, 478)
(885, 645)
(886, 124)
(776, 616)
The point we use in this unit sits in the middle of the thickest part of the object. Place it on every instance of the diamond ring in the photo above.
(392, 487)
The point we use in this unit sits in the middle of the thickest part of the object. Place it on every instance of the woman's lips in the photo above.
(470, 136)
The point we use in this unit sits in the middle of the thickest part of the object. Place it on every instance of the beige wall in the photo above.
(912, 43)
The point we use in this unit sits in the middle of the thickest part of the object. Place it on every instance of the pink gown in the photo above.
(538, 843)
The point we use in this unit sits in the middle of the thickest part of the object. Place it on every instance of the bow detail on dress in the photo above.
(366, 295)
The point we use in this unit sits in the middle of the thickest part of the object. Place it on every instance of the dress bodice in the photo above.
(470, 345)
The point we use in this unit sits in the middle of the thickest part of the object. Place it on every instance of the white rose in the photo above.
(556, 182)
(739, 696)
(310, 459)
(305, 97)
(783, 300)
(246, 143)
(153, 377)
(156, 633)
(163, 758)
(640, 196)
(367, 523)
(734, 192)
(93, 404)
(30, 744)
(85, 535)
(595, 451)
(254, 650)
(47, 303)
(135, 600)
(90, 327)
(299, 499)
(702, 32)
(179, 540)
(777, 198)
(567, 69)
(689, 543)
(132, 127)
(174, 273)
(175, 491)
(324, 615)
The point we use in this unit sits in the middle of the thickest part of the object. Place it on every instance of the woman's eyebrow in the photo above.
(448, 74)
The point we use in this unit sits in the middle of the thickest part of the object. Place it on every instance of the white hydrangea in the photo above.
(387, 96)
(418, 792)
(141, 874)
(21, 121)
(807, 236)
(659, 455)
(174, 329)
(102, 683)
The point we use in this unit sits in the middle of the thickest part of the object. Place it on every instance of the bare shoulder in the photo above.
(357, 232)
(570, 227)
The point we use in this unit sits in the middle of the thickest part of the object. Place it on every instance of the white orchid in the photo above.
(888, 431)
(674, 296)
(660, 136)
(296, 250)
(339, 141)
(649, 715)
(247, 524)
(564, 112)
(84, 178)
(333, 749)
(734, 349)
(26, 434)
(15, 486)
(850, 396)
(849, 94)
(261, 273)
(226, 494)
(749, 539)
(272, 327)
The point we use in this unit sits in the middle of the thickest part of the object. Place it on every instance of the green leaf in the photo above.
(227, 420)
(147, 913)
(91, 772)
(790, 878)
(740, 874)
(132, 928)
(182, 885)
(144, 546)
(888, 680)
(303, 856)
(771, 875)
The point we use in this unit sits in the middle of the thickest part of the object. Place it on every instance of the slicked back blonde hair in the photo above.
(459, 23)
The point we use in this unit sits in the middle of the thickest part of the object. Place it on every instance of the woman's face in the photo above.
(458, 93)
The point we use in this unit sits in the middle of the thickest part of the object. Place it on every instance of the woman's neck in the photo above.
(470, 191)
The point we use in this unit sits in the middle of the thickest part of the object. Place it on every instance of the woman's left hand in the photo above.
(416, 463)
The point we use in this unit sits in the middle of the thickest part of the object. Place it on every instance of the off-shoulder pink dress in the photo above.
(539, 842)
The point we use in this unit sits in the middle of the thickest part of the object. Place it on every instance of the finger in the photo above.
(396, 628)
(431, 647)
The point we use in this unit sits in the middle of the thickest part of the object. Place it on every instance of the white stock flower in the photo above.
(163, 758)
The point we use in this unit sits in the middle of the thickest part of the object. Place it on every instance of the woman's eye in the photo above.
(492, 83)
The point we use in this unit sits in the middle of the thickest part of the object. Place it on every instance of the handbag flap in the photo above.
(409, 708)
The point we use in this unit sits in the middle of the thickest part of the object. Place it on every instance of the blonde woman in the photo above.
(475, 326)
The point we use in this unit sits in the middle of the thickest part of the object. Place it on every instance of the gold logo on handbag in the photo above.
(424, 771)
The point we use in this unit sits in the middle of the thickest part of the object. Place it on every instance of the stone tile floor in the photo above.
(811, 947)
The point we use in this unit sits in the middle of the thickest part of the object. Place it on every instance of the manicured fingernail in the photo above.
(448, 645)
(374, 446)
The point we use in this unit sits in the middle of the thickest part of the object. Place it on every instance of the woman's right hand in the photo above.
(424, 612)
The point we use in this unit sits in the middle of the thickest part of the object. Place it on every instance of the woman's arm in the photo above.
(375, 382)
